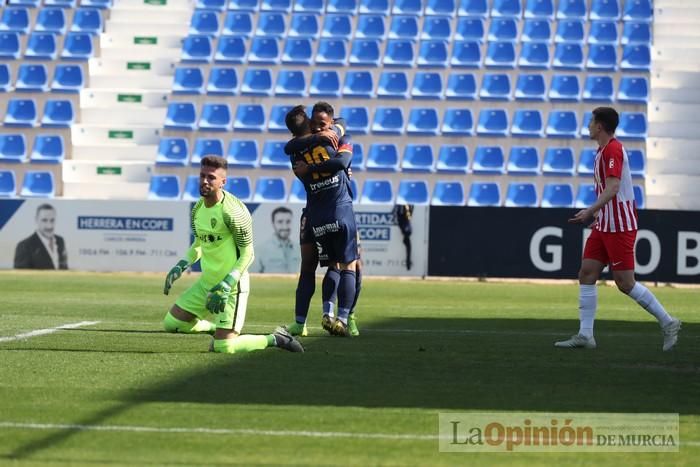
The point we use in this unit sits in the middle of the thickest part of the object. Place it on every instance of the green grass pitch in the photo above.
(121, 392)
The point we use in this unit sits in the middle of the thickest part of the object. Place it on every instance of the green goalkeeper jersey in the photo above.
(223, 239)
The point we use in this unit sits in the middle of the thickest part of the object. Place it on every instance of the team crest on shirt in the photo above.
(213, 222)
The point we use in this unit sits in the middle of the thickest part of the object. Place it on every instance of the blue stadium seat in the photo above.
(638, 10)
(290, 83)
(61, 3)
(564, 88)
(270, 189)
(638, 196)
(492, 122)
(636, 57)
(399, 53)
(536, 30)
(243, 5)
(453, 158)
(265, 50)
(539, 9)
(275, 5)
(636, 33)
(24, 3)
(633, 125)
(357, 84)
(48, 149)
(495, 86)
(67, 78)
(530, 87)
(404, 27)
(407, 7)
(585, 195)
(257, 82)
(393, 85)
(440, 7)
(559, 162)
(558, 195)
(356, 119)
(249, 117)
(417, 158)
(8, 184)
(478, 8)
(364, 52)
(458, 122)
(602, 57)
(413, 192)
(584, 132)
(500, 55)
(164, 187)
(568, 56)
(332, 52)
(311, 6)
(342, 6)
(277, 115)
(637, 163)
(297, 194)
(436, 28)
(297, 51)
(448, 193)
(188, 80)
(523, 160)
(527, 124)
(216, 116)
(423, 121)
(191, 191)
(469, 29)
(273, 156)
(432, 54)
(5, 80)
(484, 194)
(15, 19)
(375, 7)
(358, 157)
(305, 25)
(77, 46)
(598, 88)
(181, 116)
(13, 148)
(243, 153)
(569, 31)
(40, 46)
(89, 20)
(325, 84)
(461, 86)
(102, 4)
(507, 8)
(38, 184)
(196, 49)
(271, 24)
(383, 158)
(427, 85)
(602, 32)
(586, 162)
(388, 121)
(377, 192)
(337, 27)
(238, 23)
(222, 81)
(605, 10)
(572, 9)
(521, 195)
(561, 124)
(9, 46)
(21, 113)
(32, 78)
(206, 147)
(489, 160)
(466, 55)
(172, 151)
(218, 5)
(370, 27)
(230, 49)
(534, 55)
(503, 29)
(633, 90)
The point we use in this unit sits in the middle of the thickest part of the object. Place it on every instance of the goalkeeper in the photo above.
(223, 242)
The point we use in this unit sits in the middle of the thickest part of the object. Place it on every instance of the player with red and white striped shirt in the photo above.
(614, 218)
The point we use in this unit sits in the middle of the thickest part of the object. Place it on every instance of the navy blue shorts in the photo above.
(306, 236)
(338, 236)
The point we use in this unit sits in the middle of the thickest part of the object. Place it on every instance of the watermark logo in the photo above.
(558, 432)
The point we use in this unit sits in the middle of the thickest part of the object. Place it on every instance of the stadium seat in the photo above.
(67, 78)
(423, 121)
(461, 86)
(370, 27)
(21, 113)
(404, 27)
(598, 89)
(8, 184)
(222, 81)
(274, 5)
(534, 55)
(325, 84)
(523, 160)
(448, 193)
(536, 30)
(230, 49)
(358, 157)
(426, 85)
(466, 55)
(469, 29)
(432, 54)
(276, 122)
(357, 84)
(375, 7)
(206, 147)
(89, 20)
(270, 189)
(297, 51)
(216, 116)
(407, 7)
(32, 78)
(305, 25)
(488, 160)
(297, 194)
(506, 8)
(164, 187)
(636, 33)
(5, 79)
(602, 57)
(586, 162)
(15, 19)
(271, 24)
(243, 5)
(102, 4)
(458, 122)
(356, 118)
(503, 29)
(564, 88)
(527, 124)
(382, 158)
(40, 46)
(478, 8)
(558, 195)
(521, 195)
(364, 52)
(559, 162)
(633, 125)
(539, 9)
(238, 23)
(243, 153)
(13, 148)
(188, 80)
(388, 121)
(484, 194)
(249, 117)
(638, 10)
(492, 122)
(9, 46)
(585, 195)
(636, 162)
(273, 156)
(638, 196)
(77, 46)
(377, 192)
(633, 90)
(437, 28)
(500, 55)
(418, 158)
(399, 53)
(495, 86)
(602, 32)
(196, 49)
(181, 116)
(337, 26)
(265, 50)
(568, 56)
(38, 184)
(440, 7)
(530, 87)
(61, 3)
(584, 132)
(172, 151)
(413, 192)
(571, 9)
(604, 10)
(24, 3)
(561, 124)
(453, 159)
(257, 82)
(331, 52)
(48, 149)
(290, 83)
(636, 57)
(569, 31)
(311, 6)
(191, 191)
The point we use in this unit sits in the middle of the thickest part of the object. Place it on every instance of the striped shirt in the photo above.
(619, 214)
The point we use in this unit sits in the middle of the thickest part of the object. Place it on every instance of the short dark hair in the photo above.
(44, 207)
(296, 120)
(325, 107)
(216, 162)
(282, 210)
(607, 117)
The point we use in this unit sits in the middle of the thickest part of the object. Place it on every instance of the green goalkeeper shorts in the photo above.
(194, 300)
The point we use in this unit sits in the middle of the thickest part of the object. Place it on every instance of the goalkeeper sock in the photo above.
(196, 326)
(305, 290)
(329, 290)
(242, 344)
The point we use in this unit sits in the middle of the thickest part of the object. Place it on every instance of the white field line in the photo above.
(43, 332)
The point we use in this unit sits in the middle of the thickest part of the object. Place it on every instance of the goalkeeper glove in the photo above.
(175, 274)
(219, 294)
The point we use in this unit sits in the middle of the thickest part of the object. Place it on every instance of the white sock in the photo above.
(648, 301)
(587, 303)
